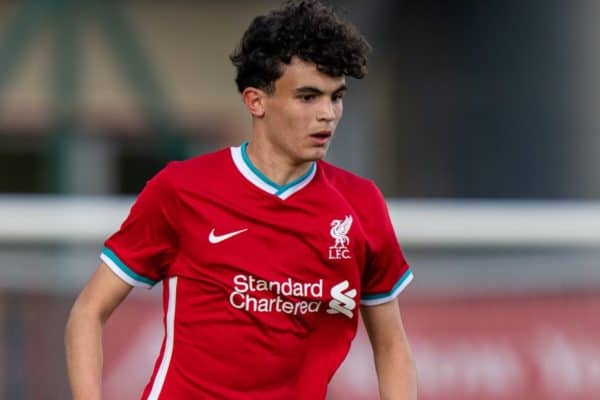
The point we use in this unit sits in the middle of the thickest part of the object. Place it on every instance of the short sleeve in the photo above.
(387, 272)
(142, 250)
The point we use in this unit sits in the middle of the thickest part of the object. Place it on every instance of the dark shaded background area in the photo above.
(464, 99)
(480, 93)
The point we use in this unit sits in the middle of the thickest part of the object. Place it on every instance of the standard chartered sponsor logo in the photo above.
(246, 296)
(246, 286)
(343, 301)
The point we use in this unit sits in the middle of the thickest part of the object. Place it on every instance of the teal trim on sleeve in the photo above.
(377, 296)
(110, 254)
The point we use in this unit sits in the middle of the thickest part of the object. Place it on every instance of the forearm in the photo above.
(83, 342)
(396, 374)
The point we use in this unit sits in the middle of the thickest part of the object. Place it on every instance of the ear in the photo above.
(254, 99)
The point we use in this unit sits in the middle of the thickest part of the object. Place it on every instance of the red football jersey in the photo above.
(261, 281)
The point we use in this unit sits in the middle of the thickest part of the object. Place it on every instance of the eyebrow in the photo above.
(314, 90)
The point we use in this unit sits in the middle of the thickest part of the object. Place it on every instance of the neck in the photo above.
(273, 164)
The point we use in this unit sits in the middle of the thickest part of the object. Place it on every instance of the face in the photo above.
(301, 115)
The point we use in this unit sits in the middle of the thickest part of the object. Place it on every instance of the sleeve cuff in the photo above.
(380, 298)
(122, 271)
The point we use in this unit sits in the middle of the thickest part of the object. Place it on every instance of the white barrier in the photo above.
(471, 223)
(446, 223)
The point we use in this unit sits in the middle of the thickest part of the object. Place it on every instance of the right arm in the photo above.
(83, 333)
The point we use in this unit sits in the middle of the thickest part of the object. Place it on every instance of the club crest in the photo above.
(339, 233)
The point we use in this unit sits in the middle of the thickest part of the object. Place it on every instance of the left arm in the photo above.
(396, 372)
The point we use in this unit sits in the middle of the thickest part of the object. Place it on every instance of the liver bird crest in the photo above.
(339, 231)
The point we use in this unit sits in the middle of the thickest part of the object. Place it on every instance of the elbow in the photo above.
(73, 322)
(411, 366)
(80, 317)
(398, 353)
(408, 360)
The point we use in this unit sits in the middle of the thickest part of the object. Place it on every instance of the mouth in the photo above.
(321, 137)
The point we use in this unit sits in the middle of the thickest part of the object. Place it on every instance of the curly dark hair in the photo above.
(306, 29)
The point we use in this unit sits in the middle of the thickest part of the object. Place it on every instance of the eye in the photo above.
(307, 98)
(337, 97)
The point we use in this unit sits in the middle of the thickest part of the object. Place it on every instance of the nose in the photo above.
(326, 111)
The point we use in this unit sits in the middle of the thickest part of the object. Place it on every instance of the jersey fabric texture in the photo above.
(261, 282)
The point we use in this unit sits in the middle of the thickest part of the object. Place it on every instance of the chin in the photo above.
(318, 154)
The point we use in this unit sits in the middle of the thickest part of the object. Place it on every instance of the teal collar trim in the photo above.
(253, 174)
(256, 171)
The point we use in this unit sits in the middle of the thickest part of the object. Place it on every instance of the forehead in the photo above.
(299, 73)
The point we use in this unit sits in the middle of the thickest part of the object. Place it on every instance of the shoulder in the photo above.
(360, 193)
(348, 183)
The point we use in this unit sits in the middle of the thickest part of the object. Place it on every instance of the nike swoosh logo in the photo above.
(214, 239)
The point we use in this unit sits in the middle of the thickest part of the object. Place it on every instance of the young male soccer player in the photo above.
(264, 250)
